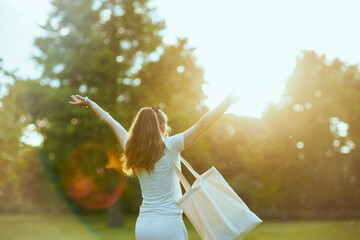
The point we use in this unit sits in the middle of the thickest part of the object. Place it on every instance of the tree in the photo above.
(91, 47)
(303, 154)
(308, 130)
(11, 151)
(25, 184)
(97, 48)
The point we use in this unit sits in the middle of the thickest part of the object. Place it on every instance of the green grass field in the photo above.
(26, 227)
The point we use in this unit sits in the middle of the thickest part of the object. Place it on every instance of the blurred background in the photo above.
(289, 148)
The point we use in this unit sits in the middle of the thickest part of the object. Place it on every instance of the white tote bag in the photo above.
(212, 206)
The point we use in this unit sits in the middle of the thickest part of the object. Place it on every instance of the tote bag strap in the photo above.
(168, 147)
(196, 175)
(183, 180)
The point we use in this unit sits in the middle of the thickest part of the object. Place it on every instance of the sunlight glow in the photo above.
(31, 136)
(249, 47)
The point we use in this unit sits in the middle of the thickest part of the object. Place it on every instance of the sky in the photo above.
(245, 47)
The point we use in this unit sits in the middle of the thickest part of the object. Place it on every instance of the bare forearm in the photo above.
(211, 117)
(102, 114)
(97, 110)
(120, 132)
(193, 133)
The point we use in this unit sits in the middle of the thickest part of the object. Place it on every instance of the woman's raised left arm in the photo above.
(120, 132)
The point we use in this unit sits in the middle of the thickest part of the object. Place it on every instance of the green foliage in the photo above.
(91, 48)
(298, 156)
(12, 151)
(302, 157)
(315, 101)
(105, 50)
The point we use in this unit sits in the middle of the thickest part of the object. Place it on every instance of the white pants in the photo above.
(155, 226)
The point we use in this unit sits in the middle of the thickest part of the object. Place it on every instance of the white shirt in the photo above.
(161, 189)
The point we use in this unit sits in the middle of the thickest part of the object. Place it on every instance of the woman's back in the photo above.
(161, 188)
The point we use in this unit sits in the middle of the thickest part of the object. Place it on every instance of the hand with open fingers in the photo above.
(79, 100)
(231, 98)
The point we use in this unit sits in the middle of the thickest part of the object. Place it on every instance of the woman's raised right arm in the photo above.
(193, 133)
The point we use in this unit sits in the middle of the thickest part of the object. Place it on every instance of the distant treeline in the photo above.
(301, 160)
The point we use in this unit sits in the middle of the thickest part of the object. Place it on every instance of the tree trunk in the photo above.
(114, 216)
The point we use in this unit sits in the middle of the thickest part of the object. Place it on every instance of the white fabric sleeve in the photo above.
(177, 142)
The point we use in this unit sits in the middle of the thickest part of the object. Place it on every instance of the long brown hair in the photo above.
(145, 145)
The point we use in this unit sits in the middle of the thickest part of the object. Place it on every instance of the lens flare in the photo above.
(79, 186)
(90, 176)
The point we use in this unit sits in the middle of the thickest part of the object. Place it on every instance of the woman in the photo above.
(159, 217)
